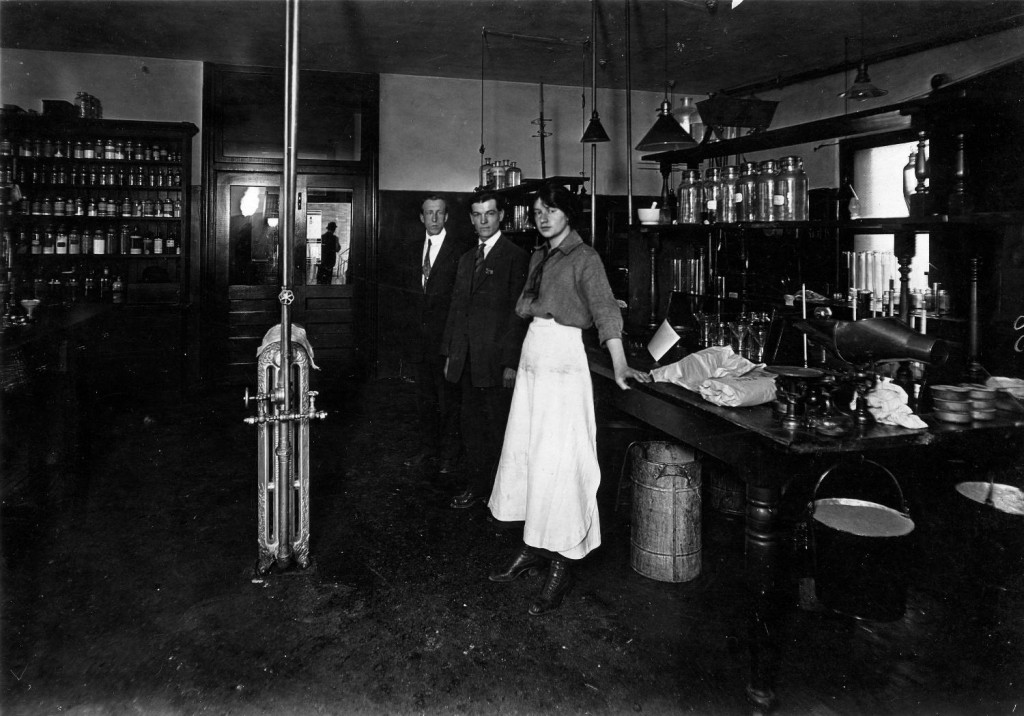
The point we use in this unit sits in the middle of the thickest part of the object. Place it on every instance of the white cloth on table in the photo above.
(753, 388)
(721, 377)
(548, 473)
(888, 404)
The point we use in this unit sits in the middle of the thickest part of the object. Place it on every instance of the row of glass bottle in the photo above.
(113, 240)
(774, 190)
(499, 174)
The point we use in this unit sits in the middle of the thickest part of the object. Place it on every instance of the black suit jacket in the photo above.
(432, 302)
(482, 322)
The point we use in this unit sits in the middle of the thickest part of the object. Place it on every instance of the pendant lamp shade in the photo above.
(862, 88)
(595, 131)
(666, 134)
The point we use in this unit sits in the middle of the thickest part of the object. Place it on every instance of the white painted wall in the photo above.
(431, 132)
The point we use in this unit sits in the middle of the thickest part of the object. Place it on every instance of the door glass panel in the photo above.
(327, 247)
(254, 234)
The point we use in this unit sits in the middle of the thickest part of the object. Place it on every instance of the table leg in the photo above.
(762, 551)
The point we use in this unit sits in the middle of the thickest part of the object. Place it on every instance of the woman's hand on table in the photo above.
(622, 375)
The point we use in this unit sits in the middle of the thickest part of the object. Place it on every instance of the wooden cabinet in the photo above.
(99, 211)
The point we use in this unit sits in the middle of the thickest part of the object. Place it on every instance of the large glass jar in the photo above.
(690, 197)
(712, 194)
(766, 189)
(728, 199)
(790, 199)
(746, 193)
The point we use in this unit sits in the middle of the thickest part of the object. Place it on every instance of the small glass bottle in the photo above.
(712, 194)
(789, 202)
(690, 194)
(727, 194)
(746, 193)
(513, 176)
(135, 241)
(485, 173)
(766, 189)
(99, 243)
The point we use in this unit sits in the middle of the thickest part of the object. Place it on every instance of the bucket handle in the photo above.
(863, 460)
(661, 473)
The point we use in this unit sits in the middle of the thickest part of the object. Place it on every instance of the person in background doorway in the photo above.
(481, 343)
(548, 473)
(436, 260)
(330, 245)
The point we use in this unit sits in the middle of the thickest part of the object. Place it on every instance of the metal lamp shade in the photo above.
(666, 134)
(595, 131)
(862, 88)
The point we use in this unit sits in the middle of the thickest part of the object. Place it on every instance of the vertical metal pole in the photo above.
(286, 296)
(543, 160)
(593, 107)
(629, 121)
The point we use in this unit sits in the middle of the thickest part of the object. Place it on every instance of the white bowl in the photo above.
(649, 216)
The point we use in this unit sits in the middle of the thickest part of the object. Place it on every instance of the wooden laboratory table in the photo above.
(768, 457)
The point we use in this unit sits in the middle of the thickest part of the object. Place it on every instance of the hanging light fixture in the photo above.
(862, 87)
(595, 131)
(666, 134)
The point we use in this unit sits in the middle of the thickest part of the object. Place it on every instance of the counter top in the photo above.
(720, 428)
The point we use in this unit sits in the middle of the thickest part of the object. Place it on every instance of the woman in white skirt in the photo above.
(548, 473)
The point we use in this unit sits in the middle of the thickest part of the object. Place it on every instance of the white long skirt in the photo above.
(548, 473)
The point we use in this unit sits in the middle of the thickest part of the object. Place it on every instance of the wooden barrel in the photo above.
(666, 528)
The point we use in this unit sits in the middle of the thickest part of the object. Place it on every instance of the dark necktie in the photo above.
(478, 267)
(426, 265)
(533, 284)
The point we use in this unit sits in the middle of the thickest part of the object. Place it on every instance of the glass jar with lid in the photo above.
(766, 189)
(790, 198)
(746, 193)
(712, 194)
(728, 198)
(690, 194)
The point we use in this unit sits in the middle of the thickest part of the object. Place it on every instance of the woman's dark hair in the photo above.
(558, 197)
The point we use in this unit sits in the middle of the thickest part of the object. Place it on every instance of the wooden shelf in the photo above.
(879, 119)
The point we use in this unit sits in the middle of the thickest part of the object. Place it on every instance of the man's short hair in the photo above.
(434, 197)
(482, 197)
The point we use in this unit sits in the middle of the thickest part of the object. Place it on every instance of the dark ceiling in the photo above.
(757, 42)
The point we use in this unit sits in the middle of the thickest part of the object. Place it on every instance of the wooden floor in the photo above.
(130, 590)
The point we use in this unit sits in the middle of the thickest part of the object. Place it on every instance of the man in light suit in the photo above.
(482, 339)
(436, 258)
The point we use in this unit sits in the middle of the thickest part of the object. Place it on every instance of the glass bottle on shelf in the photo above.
(99, 243)
(790, 199)
(485, 173)
(513, 176)
(61, 241)
(690, 195)
(171, 245)
(746, 193)
(727, 194)
(766, 189)
(158, 243)
(105, 284)
(498, 170)
(117, 290)
(49, 241)
(135, 241)
(712, 194)
(74, 242)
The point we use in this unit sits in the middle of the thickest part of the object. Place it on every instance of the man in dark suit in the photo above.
(436, 258)
(482, 339)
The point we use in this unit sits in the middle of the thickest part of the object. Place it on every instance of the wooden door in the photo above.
(246, 269)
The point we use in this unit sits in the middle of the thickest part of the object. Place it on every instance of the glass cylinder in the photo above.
(746, 193)
(766, 189)
(712, 194)
(729, 197)
(789, 202)
(690, 197)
